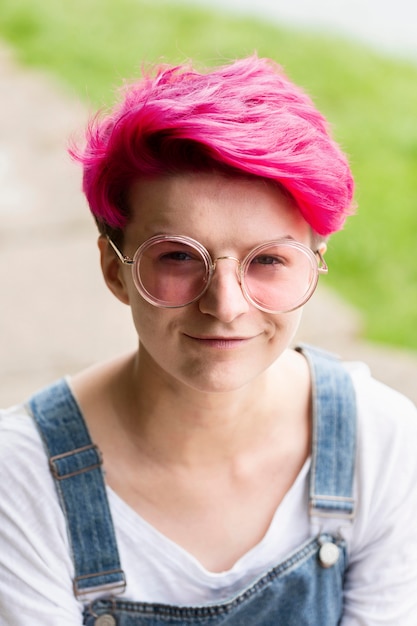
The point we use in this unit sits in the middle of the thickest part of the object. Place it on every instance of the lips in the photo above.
(219, 341)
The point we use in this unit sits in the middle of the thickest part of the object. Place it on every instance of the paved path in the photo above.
(56, 314)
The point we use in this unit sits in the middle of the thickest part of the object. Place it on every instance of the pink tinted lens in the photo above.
(170, 272)
(280, 277)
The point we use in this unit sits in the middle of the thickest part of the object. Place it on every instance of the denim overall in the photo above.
(303, 590)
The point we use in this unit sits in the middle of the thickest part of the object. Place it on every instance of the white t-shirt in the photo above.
(36, 569)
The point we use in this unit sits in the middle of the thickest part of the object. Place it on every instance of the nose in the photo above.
(224, 298)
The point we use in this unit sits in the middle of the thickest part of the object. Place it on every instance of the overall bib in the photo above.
(306, 589)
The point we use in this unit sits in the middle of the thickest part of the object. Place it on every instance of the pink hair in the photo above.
(245, 118)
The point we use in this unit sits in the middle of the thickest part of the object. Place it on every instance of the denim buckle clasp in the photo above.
(116, 583)
(342, 507)
(69, 464)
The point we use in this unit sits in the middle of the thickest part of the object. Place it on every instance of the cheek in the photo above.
(155, 326)
(143, 315)
(284, 327)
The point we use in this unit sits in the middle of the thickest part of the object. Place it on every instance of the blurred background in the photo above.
(59, 62)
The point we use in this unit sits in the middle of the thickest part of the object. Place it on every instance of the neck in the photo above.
(179, 424)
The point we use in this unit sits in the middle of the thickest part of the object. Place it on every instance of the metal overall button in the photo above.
(329, 554)
(105, 620)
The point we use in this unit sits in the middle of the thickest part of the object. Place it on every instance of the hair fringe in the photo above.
(243, 118)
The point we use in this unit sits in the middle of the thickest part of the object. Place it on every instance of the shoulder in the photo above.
(385, 416)
(23, 463)
(18, 435)
(28, 497)
(35, 565)
(386, 467)
(381, 579)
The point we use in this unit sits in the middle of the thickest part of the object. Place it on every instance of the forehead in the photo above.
(210, 205)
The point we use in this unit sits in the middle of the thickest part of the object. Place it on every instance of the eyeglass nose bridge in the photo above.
(232, 258)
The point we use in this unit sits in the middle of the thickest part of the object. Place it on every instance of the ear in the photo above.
(322, 248)
(113, 270)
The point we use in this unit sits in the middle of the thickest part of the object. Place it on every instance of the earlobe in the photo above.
(112, 270)
(322, 248)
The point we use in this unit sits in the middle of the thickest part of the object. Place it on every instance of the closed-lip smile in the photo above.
(219, 341)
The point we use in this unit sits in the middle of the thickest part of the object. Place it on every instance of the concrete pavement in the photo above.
(56, 315)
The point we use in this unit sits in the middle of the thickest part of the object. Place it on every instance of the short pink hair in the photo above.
(245, 118)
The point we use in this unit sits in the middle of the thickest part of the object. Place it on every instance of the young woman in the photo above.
(216, 475)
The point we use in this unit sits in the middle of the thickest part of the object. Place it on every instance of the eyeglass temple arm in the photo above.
(124, 259)
(322, 265)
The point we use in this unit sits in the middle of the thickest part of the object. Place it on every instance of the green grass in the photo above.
(93, 45)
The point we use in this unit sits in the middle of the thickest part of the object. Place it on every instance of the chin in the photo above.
(220, 379)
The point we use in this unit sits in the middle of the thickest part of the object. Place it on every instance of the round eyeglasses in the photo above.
(174, 271)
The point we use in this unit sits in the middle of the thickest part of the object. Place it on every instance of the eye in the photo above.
(176, 256)
(268, 259)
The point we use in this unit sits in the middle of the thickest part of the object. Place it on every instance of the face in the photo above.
(221, 342)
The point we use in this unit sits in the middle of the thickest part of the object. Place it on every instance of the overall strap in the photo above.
(75, 463)
(333, 438)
